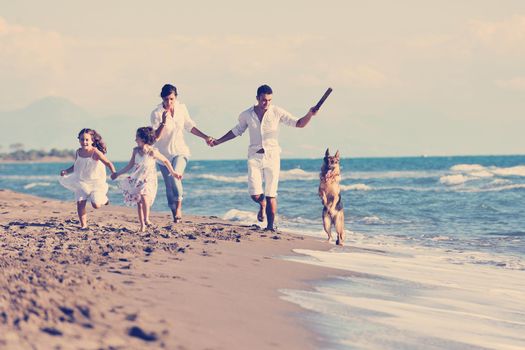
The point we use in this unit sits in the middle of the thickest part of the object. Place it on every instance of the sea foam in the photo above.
(481, 171)
(466, 168)
(356, 187)
(413, 297)
(298, 174)
(242, 216)
(36, 184)
(512, 171)
(222, 178)
(453, 180)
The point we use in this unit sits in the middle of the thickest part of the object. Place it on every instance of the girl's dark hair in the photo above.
(264, 90)
(167, 90)
(146, 134)
(97, 139)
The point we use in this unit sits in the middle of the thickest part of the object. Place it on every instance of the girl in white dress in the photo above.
(87, 176)
(140, 185)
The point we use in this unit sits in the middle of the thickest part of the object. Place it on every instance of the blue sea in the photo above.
(431, 239)
(464, 202)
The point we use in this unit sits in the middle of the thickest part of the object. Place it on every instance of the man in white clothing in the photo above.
(262, 121)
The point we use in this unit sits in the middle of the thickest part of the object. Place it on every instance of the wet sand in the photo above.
(201, 284)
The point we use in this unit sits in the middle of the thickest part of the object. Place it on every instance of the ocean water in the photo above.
(435, 254)
(450, 202)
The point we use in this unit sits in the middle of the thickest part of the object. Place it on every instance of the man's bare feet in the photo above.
(178, 216)
(262, 211)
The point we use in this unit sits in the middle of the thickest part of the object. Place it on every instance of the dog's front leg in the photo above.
(324, 200)
(333, 205)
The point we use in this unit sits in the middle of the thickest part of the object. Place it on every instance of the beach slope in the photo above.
(202, 284)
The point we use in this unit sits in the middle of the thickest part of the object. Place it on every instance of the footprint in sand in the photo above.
(52, 331)
(131, 317)
(137, 332)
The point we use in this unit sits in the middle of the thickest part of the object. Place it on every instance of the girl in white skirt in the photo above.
(87, 176)
(140, 185)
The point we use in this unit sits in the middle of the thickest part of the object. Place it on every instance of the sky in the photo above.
(410, 78)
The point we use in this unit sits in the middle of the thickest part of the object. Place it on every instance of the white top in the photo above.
(171, 142)
(89, 169)
(88, 175)
(263, 134)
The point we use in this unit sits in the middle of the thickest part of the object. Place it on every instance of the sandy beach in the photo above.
(202, 284)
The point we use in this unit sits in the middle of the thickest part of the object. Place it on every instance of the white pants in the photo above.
(264, 167)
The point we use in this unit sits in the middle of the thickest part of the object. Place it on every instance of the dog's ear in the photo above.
(337, 154)
(327, 153)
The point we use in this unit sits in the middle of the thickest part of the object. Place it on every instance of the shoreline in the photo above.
(205, 283)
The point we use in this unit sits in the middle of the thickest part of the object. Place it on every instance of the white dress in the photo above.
(141, 180)
(88, 180)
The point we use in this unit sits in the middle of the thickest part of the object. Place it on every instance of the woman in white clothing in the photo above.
(169, 119)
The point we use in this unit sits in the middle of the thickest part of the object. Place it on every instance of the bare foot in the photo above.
(142, 228)
(262, 210)
(178, 216)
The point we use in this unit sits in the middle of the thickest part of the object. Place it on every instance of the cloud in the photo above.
(505, 36)
(93, 71)
(516, 83)
(423, 42)
(362, 75)
(345, 75)
(31, 64)
(29, 51)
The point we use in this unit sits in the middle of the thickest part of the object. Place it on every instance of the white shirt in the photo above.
(263, 134)
(171, 142)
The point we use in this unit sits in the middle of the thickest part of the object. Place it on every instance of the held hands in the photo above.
(177, 176)
(63, 172)
(114, 176)
(313, 111)
(210, 141)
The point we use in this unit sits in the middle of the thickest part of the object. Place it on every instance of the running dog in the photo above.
(330, 194)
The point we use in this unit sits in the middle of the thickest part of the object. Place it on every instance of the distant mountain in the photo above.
(53, 122)
(56, 109)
